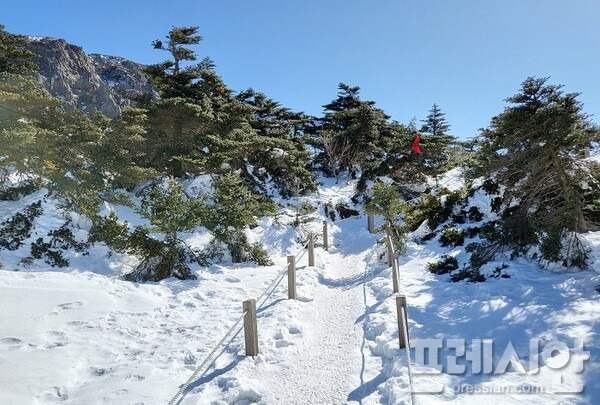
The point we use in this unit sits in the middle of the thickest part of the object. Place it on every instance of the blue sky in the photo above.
(465, 55)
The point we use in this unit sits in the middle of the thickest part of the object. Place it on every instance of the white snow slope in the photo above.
(79, 337)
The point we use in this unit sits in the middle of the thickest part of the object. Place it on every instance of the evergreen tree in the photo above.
(531, 148)
(351, 132)
(385, 200)
(435, 124)
(200, 126)
(437, 143)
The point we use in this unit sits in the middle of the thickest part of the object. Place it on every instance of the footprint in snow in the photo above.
(233, 280)
(99, 371)
(55, 339)
(11, 342)
(54, 394)
(135, 377)
(67, 306)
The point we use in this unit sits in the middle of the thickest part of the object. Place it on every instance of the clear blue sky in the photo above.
(465, 55)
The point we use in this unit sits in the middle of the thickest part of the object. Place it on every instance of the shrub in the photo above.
(386, 201)
(469, 274)
(431, 209)
(111, 232)
(452, 237)
(344, 211)
(445, 265)
(498, 273)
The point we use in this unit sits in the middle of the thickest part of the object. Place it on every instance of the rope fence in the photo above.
(249, 313)
(249, 316)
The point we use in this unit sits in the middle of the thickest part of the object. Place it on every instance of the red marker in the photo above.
(415, 145)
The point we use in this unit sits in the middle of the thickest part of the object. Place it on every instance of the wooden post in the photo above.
(402, 320)
(311, 250)
(395, 283)
(371, 223)
(250, 328)
(291, 277)
(393, 263)
(325, 236)
(390, 249)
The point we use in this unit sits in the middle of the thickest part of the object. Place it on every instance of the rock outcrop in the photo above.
(88, 82)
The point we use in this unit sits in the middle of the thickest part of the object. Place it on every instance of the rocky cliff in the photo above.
(89, 82)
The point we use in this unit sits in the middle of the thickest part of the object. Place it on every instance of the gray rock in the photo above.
(90, 83)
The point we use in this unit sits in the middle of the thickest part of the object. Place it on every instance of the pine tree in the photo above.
(435, 124)
(531, 148)
(351, 132)
(200, 126)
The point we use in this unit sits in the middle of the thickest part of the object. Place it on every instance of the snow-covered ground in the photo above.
(85, 337)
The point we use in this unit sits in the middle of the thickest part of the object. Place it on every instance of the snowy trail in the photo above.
(326, 367)
(319, 353)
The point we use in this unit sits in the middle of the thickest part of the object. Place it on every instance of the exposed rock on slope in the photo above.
(94, 82)
(124, 77)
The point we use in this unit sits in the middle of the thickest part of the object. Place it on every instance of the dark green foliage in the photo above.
(431, 209)
(60, 239)
(472, 231)
(199, 126)
(17, 192)
(490, 186)
(15, 58)
(471, 275)
(496, 204)
(111, 232)
(350, 134)
(435, 124)
(63, 238)
(472, 247)
(18, 228)
(445, 265)
(41, 249)
(386, 201)
(429, 236)
(452, 237)
(474, 214)
(234, 207)
(498, 273)
(531, 147)
(344, 211)
(170, 212)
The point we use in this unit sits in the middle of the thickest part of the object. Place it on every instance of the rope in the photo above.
(408, 357)
(205, 362)
(273, 285)
(280, 276)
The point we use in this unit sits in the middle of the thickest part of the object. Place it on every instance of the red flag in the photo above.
(415, 145)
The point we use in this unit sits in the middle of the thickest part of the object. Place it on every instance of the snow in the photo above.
(452, 180)
(84, 336)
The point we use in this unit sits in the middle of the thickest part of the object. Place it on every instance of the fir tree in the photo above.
(351, 131)
(531, 148)
(435, 124)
